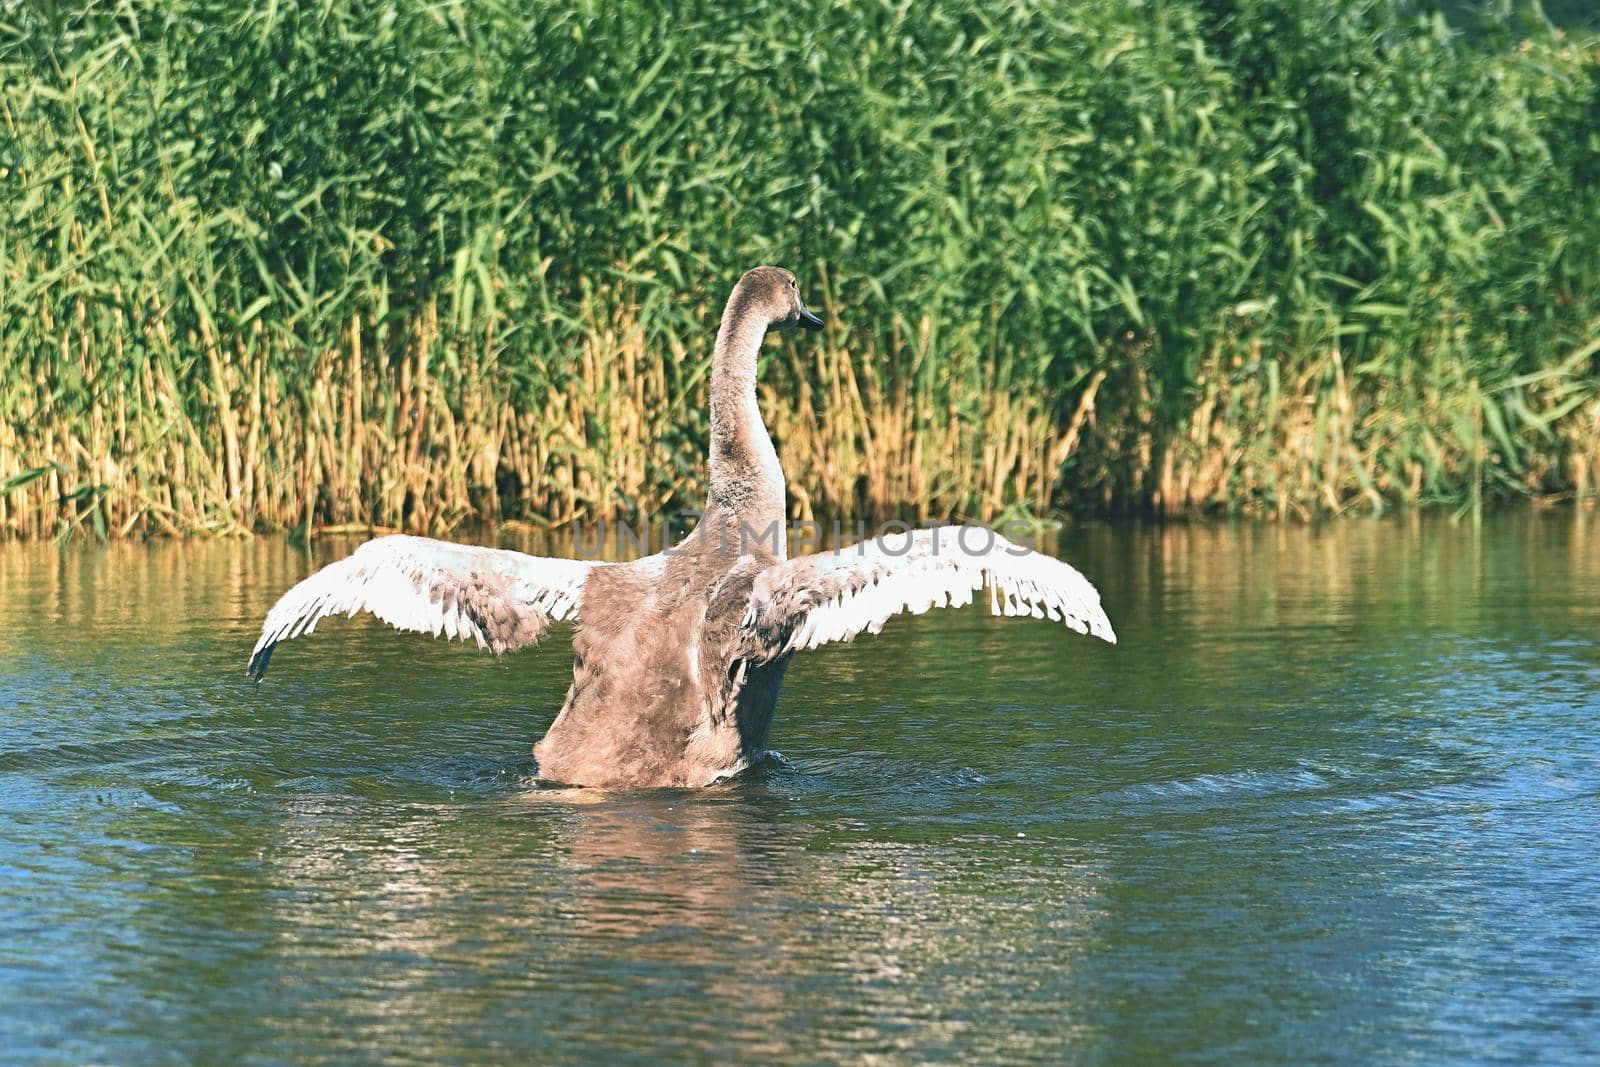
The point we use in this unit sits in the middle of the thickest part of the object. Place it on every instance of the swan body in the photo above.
(680, 656)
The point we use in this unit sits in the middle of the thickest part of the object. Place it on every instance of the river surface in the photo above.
(1334, 798)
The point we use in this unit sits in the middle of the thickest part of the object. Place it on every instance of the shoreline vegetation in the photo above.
(424, 265)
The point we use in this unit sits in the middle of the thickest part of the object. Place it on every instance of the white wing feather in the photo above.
(501, 599)
(834, 596)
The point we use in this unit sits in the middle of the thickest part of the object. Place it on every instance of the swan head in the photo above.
(771, 293)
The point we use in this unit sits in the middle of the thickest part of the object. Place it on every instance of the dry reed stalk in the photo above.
(389, 443)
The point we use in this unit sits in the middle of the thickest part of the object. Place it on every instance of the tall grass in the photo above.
(413, 264)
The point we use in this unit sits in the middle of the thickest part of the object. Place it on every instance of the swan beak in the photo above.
(808, 321)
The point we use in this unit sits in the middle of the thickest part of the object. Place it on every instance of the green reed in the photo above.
(413, 264)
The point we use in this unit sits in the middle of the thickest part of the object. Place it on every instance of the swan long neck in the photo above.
(746, 480)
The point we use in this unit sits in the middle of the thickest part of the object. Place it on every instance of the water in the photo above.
(1333, 799)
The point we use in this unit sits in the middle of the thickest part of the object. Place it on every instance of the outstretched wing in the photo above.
(503, 600)
(834, 596)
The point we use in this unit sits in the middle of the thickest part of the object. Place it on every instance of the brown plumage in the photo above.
(680, 656)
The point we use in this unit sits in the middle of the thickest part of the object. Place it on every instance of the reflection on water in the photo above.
(1333, 797)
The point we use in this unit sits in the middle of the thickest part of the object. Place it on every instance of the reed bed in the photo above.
(413, 265)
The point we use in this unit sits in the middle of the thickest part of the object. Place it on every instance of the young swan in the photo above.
(680, 655)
